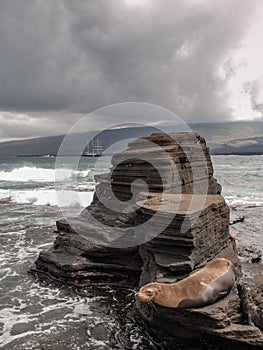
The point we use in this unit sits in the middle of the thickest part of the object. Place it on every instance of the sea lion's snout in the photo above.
(145, 295)
(140, 296)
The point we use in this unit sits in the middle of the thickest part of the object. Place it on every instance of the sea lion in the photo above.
(201, 288)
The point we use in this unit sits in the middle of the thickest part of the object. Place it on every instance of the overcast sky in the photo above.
(60, 59)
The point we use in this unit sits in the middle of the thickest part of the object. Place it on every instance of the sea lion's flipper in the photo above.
(220, 287)
(189, 303)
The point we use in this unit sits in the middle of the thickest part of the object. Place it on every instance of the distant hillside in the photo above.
(50, 145)
(248, 146)
(217, 134)
(36, 146)
(222, 138)
(233, 137)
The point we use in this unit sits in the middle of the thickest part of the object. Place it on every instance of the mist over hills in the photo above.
(222, 138)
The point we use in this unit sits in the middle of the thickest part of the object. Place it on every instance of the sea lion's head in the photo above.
(148, 293)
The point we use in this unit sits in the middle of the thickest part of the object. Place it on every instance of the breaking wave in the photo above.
(52, 197)
(34, 174)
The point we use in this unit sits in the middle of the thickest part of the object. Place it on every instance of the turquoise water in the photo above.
(241, 178)
(37, 315)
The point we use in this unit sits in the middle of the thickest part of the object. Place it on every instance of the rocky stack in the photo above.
(187, 220)
(178, 162)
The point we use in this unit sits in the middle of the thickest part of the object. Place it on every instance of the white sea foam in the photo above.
(34, 174)
(234, 200)
(63, 198)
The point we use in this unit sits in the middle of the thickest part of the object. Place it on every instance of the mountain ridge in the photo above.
(222, 138)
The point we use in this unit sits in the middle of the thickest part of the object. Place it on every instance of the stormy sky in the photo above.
(61, 59)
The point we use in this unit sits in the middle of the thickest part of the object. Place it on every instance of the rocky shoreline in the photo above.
(193, 236)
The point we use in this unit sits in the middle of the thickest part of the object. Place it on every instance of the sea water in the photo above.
(241, 178)
(42, 315)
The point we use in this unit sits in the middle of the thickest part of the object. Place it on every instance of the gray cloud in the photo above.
(15, 125)
(76, 56)
(255, 91)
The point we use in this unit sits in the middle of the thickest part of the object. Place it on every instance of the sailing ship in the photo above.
(94, 148)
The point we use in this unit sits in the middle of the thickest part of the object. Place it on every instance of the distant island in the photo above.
(240, 138)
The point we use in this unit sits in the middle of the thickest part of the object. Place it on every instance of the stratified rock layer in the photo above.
(197, 233)
(188, 223)
(77, 261)
(179, 163)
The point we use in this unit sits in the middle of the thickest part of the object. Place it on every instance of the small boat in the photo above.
(93, 149)
(48, 156)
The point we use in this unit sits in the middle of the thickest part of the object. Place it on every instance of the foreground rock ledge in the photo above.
(172, 254)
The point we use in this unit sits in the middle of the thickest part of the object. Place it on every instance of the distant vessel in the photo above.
(36, 156)
(94, 148)
(48, 156)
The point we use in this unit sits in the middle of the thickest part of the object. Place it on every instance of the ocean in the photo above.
(42, 315)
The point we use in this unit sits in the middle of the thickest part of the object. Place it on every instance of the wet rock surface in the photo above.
(77, 261)
(186, 239)
(250, 251)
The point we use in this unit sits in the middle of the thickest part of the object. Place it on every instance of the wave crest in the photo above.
(71, 199)
(34, 174)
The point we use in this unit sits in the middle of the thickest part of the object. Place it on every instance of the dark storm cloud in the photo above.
(76, 56)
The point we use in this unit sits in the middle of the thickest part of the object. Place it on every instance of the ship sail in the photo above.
(94, 148)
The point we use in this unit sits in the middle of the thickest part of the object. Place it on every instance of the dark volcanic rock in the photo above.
(77, 261)
(173, 254)
(189, 226)
(250, 251)
(179, 162)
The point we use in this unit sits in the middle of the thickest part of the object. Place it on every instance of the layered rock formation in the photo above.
(175, 252)
(192, 227)
(176, 163)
